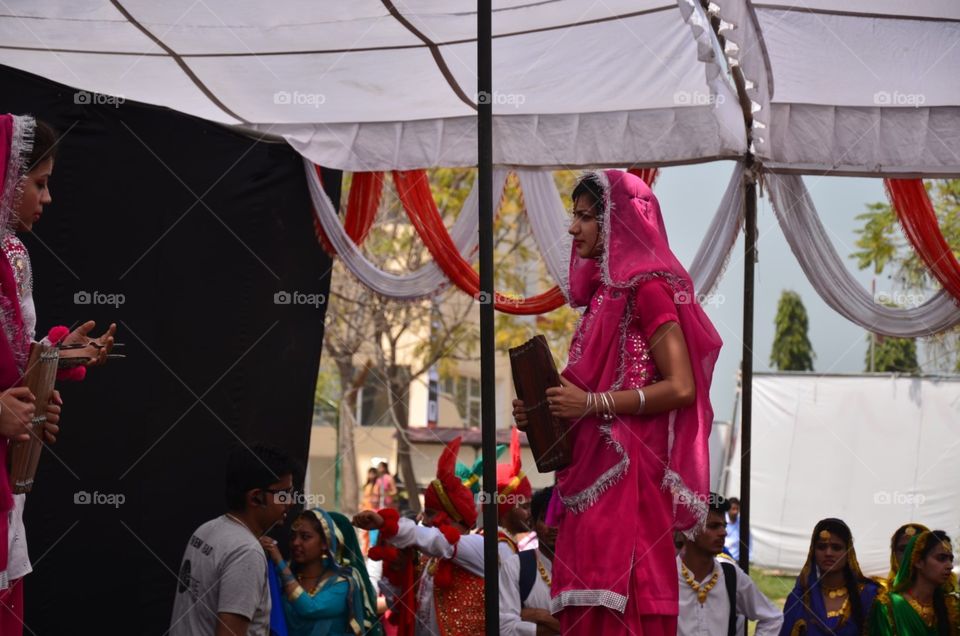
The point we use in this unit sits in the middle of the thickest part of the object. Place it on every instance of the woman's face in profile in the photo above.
(585, 228)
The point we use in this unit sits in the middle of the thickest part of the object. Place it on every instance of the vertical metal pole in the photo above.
(746, 419)
(488, 420)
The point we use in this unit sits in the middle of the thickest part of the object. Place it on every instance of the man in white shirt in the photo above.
(525, 580)
(715, 595)
(732, 543)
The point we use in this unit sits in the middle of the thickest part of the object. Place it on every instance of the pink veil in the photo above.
(635, 249)
(16, 142)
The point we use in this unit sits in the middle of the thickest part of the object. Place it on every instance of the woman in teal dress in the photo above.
(326, 589)
(922, 601)
(832, 597)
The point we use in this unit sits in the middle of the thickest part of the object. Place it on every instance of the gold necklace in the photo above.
(840, 612)
(926, 612)
(543, 571)
(701, 590)
(836, 592)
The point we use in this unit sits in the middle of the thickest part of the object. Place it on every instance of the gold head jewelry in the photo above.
(825, 534)
(910, 531)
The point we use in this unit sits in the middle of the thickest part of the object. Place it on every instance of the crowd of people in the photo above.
(425, 577)
(635, 395)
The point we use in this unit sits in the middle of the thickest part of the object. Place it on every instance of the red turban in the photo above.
(511, 482)
(447, 493)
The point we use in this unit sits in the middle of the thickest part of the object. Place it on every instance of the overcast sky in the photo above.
(688, 198)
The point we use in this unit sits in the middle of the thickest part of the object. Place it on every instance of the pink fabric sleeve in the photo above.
(655, 305)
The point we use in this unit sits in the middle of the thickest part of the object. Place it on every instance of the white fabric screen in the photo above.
(875, 451)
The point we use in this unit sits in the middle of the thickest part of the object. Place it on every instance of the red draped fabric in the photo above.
(919, 221)
(365, 192)
(649, 175)
(413, 190)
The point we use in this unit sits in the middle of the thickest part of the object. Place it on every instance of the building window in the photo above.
(465, 392)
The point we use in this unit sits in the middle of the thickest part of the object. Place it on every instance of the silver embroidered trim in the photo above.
(588, 598)
(587, 497)
(21, 145)
(683, 495)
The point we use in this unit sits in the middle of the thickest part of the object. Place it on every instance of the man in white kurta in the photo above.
(704, 602)
(521, 617)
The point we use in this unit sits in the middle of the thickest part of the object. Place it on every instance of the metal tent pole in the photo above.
(491, 587)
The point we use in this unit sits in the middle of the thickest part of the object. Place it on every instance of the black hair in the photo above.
(44, 145)
(733, 500)
(939, 602)
(851, 581)
(718, 503)
(539, 503)
(589, 185)
(254, 466)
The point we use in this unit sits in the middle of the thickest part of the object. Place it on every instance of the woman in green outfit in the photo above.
(921, 601)
(326, 589)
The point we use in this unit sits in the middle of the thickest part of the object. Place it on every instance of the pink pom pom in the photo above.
(76, 374)
(57, 334)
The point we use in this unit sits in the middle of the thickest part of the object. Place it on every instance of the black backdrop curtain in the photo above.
(195, 228)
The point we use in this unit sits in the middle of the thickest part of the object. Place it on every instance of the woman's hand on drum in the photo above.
(567, 401)
(520, 414)
(16, 410)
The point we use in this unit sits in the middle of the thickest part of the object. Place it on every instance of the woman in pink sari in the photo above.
(636, 392)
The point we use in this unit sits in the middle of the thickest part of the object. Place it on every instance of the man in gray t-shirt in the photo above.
(223, 586)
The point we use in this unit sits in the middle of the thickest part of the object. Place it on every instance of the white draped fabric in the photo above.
(829, 276)
(548, 220)
(426, 280)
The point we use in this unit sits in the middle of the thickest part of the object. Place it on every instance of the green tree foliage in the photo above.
(791, 346)
(894, 355)
(882, 247)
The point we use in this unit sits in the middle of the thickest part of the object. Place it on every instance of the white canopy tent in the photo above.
(370, 85)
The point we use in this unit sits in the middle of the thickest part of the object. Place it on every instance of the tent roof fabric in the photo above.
(376, 85)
